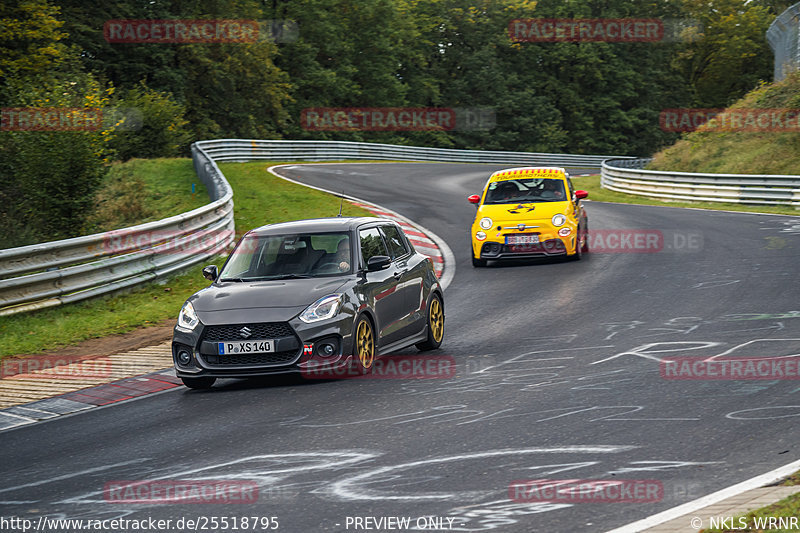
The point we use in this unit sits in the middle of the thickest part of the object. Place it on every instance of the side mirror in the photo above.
(474, 199)
(210, 272)
(580, 195)
(378, 262)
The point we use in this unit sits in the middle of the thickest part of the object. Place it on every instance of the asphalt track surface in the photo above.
(558, 378)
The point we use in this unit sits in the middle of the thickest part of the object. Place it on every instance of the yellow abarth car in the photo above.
(528, 212)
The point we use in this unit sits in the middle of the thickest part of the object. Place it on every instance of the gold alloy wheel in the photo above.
(436, 320)
(365, 343)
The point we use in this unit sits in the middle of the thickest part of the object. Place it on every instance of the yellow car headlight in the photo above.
(486, 223)
(559, 220)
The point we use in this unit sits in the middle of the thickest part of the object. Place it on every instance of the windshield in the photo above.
(289, 256)
(521, 191)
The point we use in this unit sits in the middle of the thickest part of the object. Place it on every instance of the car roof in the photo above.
(317, 225)
(528, 172)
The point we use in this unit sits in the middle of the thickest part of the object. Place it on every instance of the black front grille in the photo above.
(264, 330)
(550, 246)
(254, 359)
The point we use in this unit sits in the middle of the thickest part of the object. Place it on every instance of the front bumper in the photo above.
(498, 250)
(553, 240)
(297, 348)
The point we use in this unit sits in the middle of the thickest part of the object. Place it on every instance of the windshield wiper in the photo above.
(285, 276)
(231, 279)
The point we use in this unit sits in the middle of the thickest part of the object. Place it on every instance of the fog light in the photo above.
(326, 349)
(184, 357)
(564, 231)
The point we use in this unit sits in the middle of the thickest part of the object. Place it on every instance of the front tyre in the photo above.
(585, 247)
(199, 383)
(365, 345)
(478, 263)
(580, 247)
(435, 325)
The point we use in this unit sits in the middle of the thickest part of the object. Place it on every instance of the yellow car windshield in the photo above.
(518, 191)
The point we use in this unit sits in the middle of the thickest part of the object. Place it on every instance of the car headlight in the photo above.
(559, 220)
(322, 309)
(480, 236)
(187, 317)
(486, 223)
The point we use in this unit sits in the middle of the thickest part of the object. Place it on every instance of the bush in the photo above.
(150, 125)
(49, 177)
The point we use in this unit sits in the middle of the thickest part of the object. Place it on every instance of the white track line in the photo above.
(447, 253)
(698, 504)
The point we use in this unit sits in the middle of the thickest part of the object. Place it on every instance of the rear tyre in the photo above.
(199, 383)
(435, 325)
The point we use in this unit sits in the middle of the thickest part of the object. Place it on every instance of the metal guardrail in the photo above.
(783, 36)
(281, 150)
(628, 176)
(54, 273)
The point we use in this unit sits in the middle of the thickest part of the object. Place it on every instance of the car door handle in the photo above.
(398, 275)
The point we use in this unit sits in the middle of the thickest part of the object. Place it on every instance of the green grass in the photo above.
(56, 327)
(741, 152)
(591, 184)
(260, 198)
(144, 190)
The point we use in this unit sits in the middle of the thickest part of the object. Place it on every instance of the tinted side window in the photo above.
(396, 242)
(371, 244)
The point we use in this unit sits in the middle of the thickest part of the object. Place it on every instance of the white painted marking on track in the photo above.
(73, 474)
(356, 487)
(511, 360)
(716, 497)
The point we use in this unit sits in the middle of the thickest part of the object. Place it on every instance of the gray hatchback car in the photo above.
(309, 295)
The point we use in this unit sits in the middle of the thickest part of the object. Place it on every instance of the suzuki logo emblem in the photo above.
(245, 332)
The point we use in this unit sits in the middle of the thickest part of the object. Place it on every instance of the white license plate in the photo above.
(225, 348)
(522, 239)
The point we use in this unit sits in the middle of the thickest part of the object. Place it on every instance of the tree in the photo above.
(30, 38)
(730, 55)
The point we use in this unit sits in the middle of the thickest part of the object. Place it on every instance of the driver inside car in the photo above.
(505, 191)
(343, 255)
(552, 189)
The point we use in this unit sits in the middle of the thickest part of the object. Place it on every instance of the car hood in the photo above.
(263, 301)
(517, 213)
